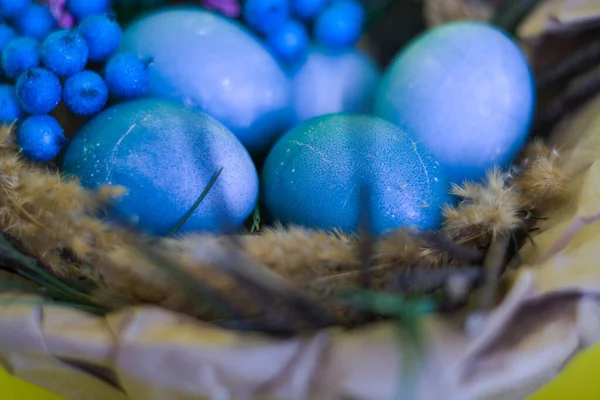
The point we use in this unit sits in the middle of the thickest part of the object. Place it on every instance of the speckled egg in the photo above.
(214, 64)
(332, 81)
(315, 174)
(165, 155)
(465, 90)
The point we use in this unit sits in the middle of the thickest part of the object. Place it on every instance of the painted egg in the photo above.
(465, 90)
(212, 63)
(318, 172)
(166, 156)
(330, 81)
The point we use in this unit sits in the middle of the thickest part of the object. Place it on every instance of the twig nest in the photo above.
(438, 12)
(165, 155)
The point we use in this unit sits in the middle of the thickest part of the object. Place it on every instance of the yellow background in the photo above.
(581, 376)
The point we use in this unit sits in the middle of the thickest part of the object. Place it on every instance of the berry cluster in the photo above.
(286, 24)
(42, 67)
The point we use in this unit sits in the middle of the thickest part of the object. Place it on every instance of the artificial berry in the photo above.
(341, 24)
(127, 75)
(265, 16)
(102, 34)
(6, 35)
(308, 9)
(85, 93)
(9, 105)
(20, 55)
(39, 91)
(11, 8)
(290, 41)
(64, 52)
(41, 138)
(81, 9)
(36, 21)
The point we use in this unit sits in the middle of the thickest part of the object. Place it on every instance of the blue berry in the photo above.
(41, 138)
(102, 34)
(290, 41)
(64, 52)
(85, 93)
(264, 16)
(7, 34)
(39, 91)
(81, 9)
(127, 75)
(36, 21)
(308, 9)
(341, 24)
(9, 105)
(20, 55)
(11, 8)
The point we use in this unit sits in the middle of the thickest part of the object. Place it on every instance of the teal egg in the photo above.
(165, 155)
(466, 91)
(214, 64)
(315, 174)
(330, 81)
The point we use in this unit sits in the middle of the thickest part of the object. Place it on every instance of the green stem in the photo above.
(197, 203)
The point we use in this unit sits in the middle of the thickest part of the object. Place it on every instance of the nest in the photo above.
(279, 280)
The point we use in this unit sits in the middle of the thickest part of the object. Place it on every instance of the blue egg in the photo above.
(165, 155)
(318, 172)
(329, 81)
(213, 64)
(465, 90)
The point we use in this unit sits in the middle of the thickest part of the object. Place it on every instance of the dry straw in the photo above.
(279, 270)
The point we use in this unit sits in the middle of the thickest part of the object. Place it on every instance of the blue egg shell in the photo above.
(214, 64)
(315, 174)
(465, 90)
(330, 81)
(165, 155)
